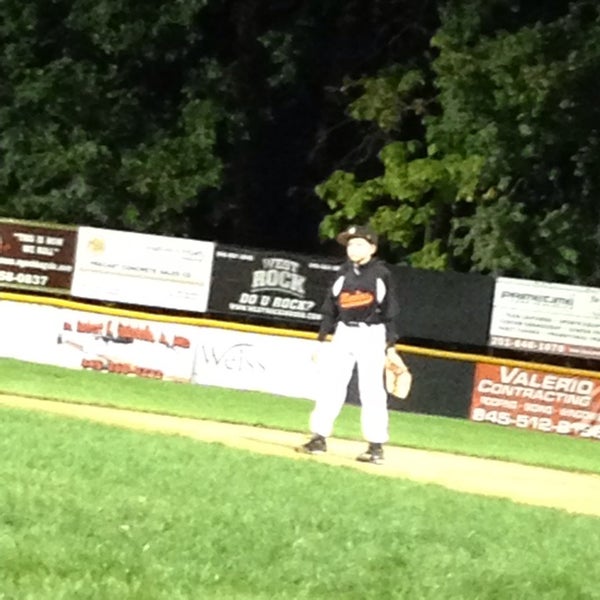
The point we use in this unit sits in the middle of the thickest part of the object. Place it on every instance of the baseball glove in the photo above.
(398, 379)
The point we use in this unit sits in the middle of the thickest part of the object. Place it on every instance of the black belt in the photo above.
(357, 324)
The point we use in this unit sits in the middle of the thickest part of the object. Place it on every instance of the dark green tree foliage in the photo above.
(474, 148)
(109, 112)
(290, 59)
(209, 118)
(505, 177)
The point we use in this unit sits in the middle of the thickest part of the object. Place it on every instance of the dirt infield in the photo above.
(573, 492)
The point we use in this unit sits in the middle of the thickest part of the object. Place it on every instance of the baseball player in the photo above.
(359, 309)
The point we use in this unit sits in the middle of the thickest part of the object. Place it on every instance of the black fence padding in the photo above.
(446, 308)
(440, 387)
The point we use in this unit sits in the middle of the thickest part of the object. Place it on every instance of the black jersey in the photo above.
(360, 294)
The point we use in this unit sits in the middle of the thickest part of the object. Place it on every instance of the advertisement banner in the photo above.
(36, 257)
(85, 340)
(29, 332)
(251, 361)
(126, 346)
(539, 400)
(274, 285)
(549, 318)
(142, 269)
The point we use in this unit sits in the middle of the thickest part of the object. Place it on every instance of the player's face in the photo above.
(360, 250)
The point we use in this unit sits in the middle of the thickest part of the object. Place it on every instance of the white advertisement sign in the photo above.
(126, 346)
(85, 340)
(29, 332)
(250, 361)
(208, 356)
(143, 269)
(546, 318)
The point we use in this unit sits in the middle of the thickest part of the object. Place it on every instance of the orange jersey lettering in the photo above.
(356, 299)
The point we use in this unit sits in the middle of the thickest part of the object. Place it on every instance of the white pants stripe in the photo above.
(365, 347)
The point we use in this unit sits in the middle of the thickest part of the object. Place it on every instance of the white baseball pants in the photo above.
(364, 345)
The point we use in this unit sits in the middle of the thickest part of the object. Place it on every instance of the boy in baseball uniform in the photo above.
(359, 310)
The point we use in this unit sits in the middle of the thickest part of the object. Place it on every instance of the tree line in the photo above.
(467, 131)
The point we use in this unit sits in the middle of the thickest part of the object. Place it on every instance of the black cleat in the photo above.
(373, 454)
(316, 445)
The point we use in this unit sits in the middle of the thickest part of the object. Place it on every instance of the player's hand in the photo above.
(317, 353)
(394, 362)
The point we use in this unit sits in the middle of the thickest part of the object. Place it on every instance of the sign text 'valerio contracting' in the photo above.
(269, 284)
(532, 399)
(36, 257)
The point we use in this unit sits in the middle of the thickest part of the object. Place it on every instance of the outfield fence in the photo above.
(277, 360)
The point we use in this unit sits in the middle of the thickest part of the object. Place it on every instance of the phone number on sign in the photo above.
(24, 278)
(531, 345)
(538, 423)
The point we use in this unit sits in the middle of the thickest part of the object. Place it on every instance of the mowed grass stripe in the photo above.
(90, 511)
(255, 408)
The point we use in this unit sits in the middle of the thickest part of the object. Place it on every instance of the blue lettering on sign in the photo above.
(239, 357)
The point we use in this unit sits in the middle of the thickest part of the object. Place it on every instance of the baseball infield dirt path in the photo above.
(573, 492)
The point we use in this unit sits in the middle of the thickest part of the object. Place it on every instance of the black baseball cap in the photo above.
(357, 231)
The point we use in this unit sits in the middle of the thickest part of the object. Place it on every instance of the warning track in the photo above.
(573, 492)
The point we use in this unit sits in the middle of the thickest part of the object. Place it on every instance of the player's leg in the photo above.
(373, 396)
(335, 365)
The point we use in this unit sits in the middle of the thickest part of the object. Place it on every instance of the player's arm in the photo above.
(329, 310)
(388, 307)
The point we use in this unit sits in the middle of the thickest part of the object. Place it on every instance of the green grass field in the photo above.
(93, 512)
(412, 430)
(90, 512)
